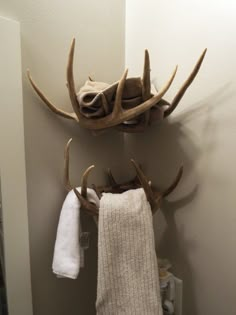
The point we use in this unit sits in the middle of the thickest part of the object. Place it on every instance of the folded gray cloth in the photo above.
(96, 99)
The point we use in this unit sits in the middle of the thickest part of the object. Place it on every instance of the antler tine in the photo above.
(146, 77)
(49, 104)
(66, 166)
(133, 112)
(145, 184)
(70, 80)
(84, 181)
(85, 175)
(174, 184)
(185, 86)
(118, 99)
(85, 204)
(111, 178)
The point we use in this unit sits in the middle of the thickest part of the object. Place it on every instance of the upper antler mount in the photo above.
(128, 105)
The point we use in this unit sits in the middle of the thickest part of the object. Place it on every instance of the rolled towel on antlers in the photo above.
(154, 196)
(128, 105)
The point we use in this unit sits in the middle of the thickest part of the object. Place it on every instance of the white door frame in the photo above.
(12, 171)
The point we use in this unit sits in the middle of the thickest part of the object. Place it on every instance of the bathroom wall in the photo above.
(47, 28)
(196, 227)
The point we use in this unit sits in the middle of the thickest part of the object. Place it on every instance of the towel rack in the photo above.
(154, 196)
(129, 100)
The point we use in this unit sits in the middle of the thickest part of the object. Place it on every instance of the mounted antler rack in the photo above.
(129, 105)
(154, 196)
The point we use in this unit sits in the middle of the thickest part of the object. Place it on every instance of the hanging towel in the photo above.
(68, 254)
(128, 280)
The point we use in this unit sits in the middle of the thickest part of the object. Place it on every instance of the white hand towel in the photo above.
(128, 279)
(67, 251)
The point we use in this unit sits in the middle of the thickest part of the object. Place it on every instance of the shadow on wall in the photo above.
(174, 245)
(184, 140)
(161, 151)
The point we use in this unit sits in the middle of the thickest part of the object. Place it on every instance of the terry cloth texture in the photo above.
(128, 280)
(68, 255)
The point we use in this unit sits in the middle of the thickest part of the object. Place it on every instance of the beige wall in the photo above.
(197, 234)
(46, 31)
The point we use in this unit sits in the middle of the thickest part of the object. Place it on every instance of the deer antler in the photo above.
(48, 103)
(185, 86)
(85, 204)
(146, 94)
(154, 196)
(118, 114)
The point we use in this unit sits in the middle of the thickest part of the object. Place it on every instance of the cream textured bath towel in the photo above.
(128, 280)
